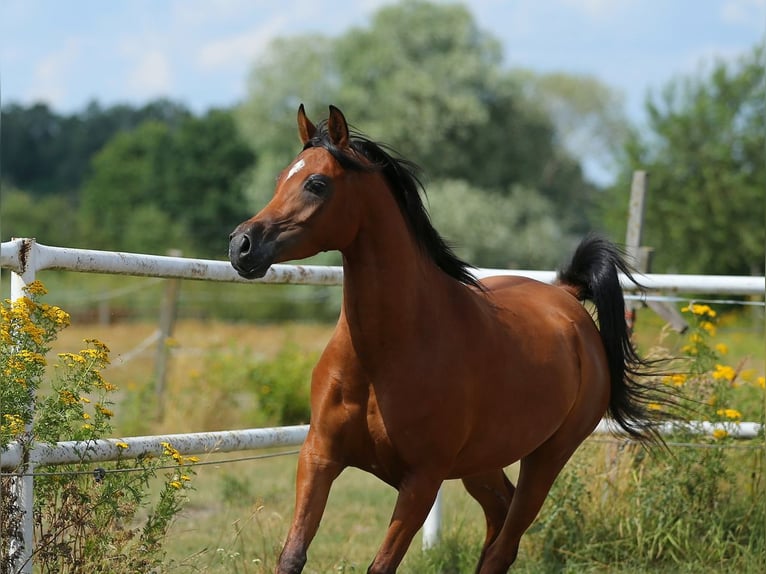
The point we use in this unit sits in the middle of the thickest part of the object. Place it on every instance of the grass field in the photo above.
(239, 512)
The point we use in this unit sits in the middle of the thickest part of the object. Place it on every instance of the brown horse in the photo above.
(431, 374)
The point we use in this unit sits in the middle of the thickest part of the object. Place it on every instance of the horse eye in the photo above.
(317, 184)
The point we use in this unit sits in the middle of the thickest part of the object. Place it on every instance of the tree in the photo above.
(158, 187)
(24, 215)
(588, 116)
(45, 153)
(426, 80)
(493, 230)
(704, 153)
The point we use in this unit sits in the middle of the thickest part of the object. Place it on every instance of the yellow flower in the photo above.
(729, 413)
(67, 397)
(720, 433)
(709, 327)
(87, 426)
(105, 411)
(697, 309)
(185, 478)
(722, 348)
(724, 372)
(677, 380)
(86, 416)
(192, 459)
(175, 484)
(122, 445)
(14, 423)
(36, 288)
(761, 382)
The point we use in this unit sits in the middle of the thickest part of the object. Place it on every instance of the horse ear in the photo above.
(337, 128)
(305, 128)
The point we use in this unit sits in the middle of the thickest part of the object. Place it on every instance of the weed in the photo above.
(84, 519)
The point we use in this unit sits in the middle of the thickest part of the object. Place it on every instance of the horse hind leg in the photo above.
(539, 470)
(494, 492)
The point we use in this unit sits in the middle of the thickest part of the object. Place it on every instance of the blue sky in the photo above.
(199, 51)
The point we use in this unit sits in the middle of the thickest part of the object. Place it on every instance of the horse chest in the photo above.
(368, 437)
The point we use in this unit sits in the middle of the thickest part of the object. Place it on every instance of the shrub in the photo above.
(699, 504)
(282, 385)
(85, 519)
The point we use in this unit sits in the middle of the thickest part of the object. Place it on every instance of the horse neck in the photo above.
(390, 284)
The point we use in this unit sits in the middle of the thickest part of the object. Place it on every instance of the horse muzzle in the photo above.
(250, 253)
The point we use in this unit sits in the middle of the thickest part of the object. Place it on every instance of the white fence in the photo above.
(25, 257)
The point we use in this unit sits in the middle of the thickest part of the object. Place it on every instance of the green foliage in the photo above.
(704, 153)
(24, 215)
(44, 152)
(457, 552)
(491, 230)
(282, 385)
(588, 115)
(82, 521)
(665, 512)
(156, 187)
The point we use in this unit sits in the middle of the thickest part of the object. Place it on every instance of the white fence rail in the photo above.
(25, 258)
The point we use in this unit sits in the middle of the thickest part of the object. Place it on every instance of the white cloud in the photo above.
(52, 74)
(747, 13)
(238, 48)
(151, 75)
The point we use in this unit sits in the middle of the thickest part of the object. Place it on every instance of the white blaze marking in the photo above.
(299, 165)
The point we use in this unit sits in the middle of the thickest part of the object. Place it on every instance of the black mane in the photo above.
(406, 187)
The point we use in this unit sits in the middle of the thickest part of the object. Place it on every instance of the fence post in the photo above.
(168, 314)
(634, 233)
(432, 525)
(20, 552)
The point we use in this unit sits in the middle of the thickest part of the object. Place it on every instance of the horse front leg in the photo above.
(416, 496)
(316, 473)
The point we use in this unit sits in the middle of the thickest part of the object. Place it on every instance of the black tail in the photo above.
(593, 272)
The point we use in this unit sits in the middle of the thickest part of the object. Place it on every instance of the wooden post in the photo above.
(634, 233)
(640, 256)
(168, 315)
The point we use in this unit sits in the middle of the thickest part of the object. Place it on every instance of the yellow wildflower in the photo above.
(697, 309)
(729, 413)
(14, 423)
(105, 411)
(709, 327)
(86, 416)
(724, 372)
(175, 484)
(761, 382)
(185, 478)
(720, 433)
(122, 445)
(36, 288)
(722, 348)
(192, 459)
(102, 349)
(677, 380)
(67, 397)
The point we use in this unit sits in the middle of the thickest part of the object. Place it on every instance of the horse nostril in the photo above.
(244, 245)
